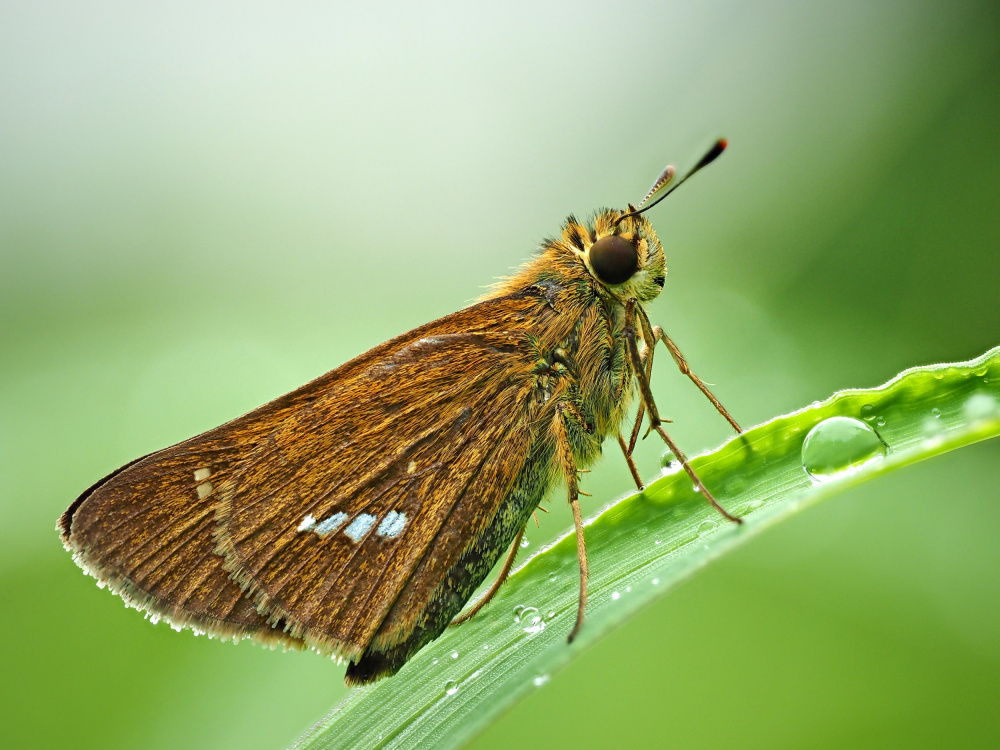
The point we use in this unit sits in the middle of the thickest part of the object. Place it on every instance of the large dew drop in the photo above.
(838, 445)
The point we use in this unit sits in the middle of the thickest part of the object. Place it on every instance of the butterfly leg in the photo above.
(653, 334)
(646, 355)
(655, 423)
(564, 454)
(631, 464)
(504, 572)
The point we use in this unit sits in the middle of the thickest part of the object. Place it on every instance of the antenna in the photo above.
(713, 153)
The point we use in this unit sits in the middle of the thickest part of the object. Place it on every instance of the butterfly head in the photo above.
(623, 255)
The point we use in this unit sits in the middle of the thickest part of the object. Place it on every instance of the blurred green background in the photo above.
(203, 206)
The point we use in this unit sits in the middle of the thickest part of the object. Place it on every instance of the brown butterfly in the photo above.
(358, 514)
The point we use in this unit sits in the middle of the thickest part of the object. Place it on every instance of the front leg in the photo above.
(653, 334)
(655, 423)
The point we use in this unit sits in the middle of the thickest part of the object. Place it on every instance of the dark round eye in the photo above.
(614, 259)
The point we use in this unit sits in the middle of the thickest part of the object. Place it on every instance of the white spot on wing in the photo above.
(204, 488)
(331, 524)
(360, 526)
(392, 525)
(308, 524)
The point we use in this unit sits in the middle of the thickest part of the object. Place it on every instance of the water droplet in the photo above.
(656, 581)
(656, 541)
(706, 526)
(868, 412)
(517, 612)
(454, 654)
(754, 505)
(981, 406)
(550, 615)
(615, 595)
(935, 412)
(552, 577)
(696, 488)
(531, 620)
(486, 647)
(666, 460)
(880, 421)
(450, 687)
(434, 661)
(837, 445)
(524, 542)
(627, 589)
(540, 680)
(815, 404)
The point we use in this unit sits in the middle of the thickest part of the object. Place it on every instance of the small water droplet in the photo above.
(656, 581)
(706, 526)
(615, 595)
(454, 654)
(837, 445)
(696, 488)
(434, 661)
(981, 406)
(880, 421)
(550, 615)
(486, 647)
(868, 412)
(656, 541)
(531, 620)
(524, 542)
(754, 505)
(450, 687)
(666, 459)
(517, 612)
(540, 680)
(935, 412)
(552, 577)
(627, 589)
(815, 404)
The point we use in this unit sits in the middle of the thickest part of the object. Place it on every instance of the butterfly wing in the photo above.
(401, 459)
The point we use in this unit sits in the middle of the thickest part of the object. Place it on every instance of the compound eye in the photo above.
(614, 259)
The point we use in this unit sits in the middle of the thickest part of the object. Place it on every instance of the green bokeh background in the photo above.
(204, 206)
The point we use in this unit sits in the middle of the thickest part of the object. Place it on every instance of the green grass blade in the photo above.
(643, 545)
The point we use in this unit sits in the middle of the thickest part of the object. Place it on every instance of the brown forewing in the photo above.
(451, 397)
